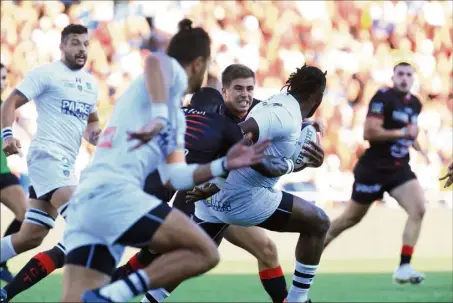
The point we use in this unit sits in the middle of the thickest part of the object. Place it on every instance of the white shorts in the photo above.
(49, 171)
(102, 213)
(245, 206)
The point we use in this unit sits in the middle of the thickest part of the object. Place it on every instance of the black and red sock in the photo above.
(138, 261)
(13, 228)
(39, 267)
(406, 254)
(274, 283)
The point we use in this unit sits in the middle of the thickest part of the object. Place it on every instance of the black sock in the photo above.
(140, 260)
(274, 283)
(13, 228)
(39, 267)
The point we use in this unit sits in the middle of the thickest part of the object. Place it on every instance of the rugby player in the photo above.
(208, 136)
(65, 96)
(391, 129)
(248, 198)
(110, 211)
(12, 195)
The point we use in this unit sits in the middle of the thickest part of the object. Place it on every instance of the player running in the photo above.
(110, 211)
(208, 136)
(12, 195)
(391, 128)
(65, 96)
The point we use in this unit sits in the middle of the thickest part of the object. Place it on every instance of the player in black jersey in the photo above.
(211, 129)
(391, 129)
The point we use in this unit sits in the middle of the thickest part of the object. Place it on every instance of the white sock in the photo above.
(6, 249)
(127, 288)
(303, 277)
(155, 295)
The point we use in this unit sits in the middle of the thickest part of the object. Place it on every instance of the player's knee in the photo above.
(210, 254)
(323, 225)
(269, 253)
(30, 241)
(417, 214)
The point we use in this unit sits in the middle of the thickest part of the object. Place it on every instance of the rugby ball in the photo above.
(307, 134)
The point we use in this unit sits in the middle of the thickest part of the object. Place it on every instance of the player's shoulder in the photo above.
(47, 69)
(416, 99)
(383, 91)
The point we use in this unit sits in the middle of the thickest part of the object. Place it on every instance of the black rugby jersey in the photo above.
(397, 111)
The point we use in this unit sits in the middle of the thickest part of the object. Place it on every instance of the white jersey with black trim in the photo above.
(114, 159)
(278, 119)
(64, 100)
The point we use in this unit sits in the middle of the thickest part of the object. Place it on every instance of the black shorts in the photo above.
(7, 180)
(276, 222)
(98, 256)
(370, 184)
(46, 197)
(153, 186)
(181, 204)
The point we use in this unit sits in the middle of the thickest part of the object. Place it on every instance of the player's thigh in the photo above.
(355, 211)
(411, 197)
(39, 219)
(295, 214)
(78, 279)
(165, 229)
(13, 197)
(252, 239)
(61, 196)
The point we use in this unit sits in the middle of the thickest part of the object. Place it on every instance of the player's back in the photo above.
(113, 157)
(64, 100)
(278, 119)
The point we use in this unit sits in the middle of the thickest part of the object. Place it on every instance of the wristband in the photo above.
(7, 132)
(159, 110)
(290, 166)
(218, 167)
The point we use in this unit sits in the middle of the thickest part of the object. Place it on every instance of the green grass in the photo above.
(339, 281)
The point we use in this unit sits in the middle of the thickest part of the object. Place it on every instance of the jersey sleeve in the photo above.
(376, 107)
(273, 121)
(33, 84)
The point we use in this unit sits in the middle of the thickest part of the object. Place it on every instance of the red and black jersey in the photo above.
(397, 110)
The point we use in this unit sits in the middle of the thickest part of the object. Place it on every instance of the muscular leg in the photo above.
(312, 224)
(187, 251)
(411, 198)
(255, 241)
(14, 198)
(44, 263)
(352, 214)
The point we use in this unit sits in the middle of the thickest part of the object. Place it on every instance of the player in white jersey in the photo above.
(248, 198)
(110, 210)
(65, 96)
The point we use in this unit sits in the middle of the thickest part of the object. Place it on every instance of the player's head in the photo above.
(307, 85)
(403, 77)
(74, 46)
(191, 47)
(238, 85)
(3, 76)
(208, 99)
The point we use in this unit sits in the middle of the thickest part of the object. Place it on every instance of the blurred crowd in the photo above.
(357, 42)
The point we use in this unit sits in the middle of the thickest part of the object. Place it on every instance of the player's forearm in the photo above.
(381, 134)
(91, 133)
(183, 176)
(417, 146)
(156, 86)
(274, 166)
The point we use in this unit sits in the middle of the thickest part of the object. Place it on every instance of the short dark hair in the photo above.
(403, 63)
(189, 43)
(236, 71)
(73, 29)
(306, 81)
(1, 65)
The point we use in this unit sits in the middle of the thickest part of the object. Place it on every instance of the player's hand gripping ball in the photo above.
(308, 152)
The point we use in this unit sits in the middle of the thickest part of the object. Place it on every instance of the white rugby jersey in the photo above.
(278, 119)
(113, 158)
(64, 100)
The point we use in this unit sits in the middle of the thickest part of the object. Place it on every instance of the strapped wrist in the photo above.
(7, 132)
